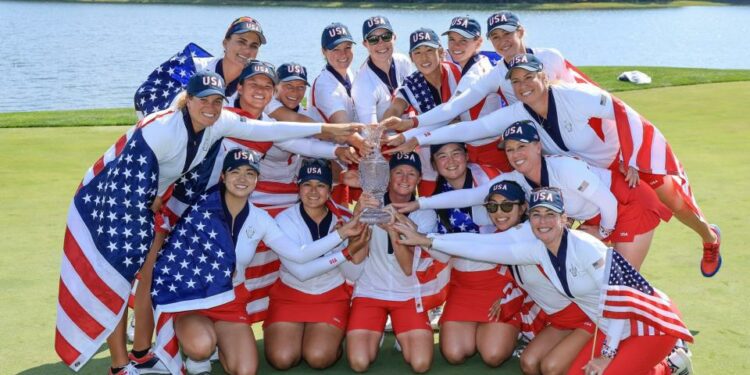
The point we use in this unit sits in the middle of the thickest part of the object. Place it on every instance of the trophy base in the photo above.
(374, 216)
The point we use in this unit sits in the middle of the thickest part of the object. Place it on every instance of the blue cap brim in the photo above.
(209, 92)
(334, 44)
(386, 27)
(294, 78)
(425, 43)
(548, 205)
(521, 66)
(508, 28)
(260, 34)
(461, 32)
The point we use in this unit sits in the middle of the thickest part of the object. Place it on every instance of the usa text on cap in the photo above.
(547, 197)
(467, 27)
(373, 23)
(315, 169)
(526, 61)
(335, 34)
(511, 190)
(238, 157)
(205, 83)
(423, 37)
(521, 131)
(292, 72)
(505, 20)
(243, 25)
(402, 158)
(257, 67)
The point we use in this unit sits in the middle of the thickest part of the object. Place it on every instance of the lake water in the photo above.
(71, 56)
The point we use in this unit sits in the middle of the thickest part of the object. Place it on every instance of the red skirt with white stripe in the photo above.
(471, 294)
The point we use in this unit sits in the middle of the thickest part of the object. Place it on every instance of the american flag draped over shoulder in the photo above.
(629, 296)
(167, 80)
(420, 92)
(193, 271)
(641, 143)
(109, 231)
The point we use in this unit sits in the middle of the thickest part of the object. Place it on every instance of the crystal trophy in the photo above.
(374, 174)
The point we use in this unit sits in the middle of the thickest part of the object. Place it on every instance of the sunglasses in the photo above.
(375, 39)
(504, 206)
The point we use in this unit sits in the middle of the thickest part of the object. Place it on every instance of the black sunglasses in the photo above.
(506, 206)
(375, 39)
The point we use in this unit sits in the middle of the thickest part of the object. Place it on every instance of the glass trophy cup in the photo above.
(374, 174)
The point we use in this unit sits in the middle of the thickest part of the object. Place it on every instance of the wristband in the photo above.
(608, 352)
(415, 121)
(346, 254)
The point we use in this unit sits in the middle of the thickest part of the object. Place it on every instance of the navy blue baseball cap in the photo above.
(401, 158)
(315, 169)
(467, 27)
(505, 20)
(511, 190)
(335, 34)
(205, 83)
(256, 67)
(243, 25)
(547, 197)
(238, 157)
(435, 148)
(521, 131)
(373, 23)
(423, 37)
(292, 72)
(526, 61)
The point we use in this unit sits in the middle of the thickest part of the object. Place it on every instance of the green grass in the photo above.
(40, 169)
(606, 76)
(427, 5)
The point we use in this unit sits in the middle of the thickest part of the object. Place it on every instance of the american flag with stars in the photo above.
(629, 296)
(193, 271)
(460, 221)
(108, 234)
(167, 80)
(417, 84)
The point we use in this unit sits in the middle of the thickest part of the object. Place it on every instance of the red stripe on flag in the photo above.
(475, 110)
(82, 319)
(88, 275)
(265, 269)
(98, 166)
(64, 350)
(120, 144)
(596, 124)
(643, 160)
(623, 130)
(277, 187)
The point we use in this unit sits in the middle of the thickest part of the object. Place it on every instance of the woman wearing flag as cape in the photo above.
(111, 222)
(636, 325)
(586, 122)
(198, 284)
(241, 43)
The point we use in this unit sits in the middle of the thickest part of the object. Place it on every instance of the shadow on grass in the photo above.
(389, 361)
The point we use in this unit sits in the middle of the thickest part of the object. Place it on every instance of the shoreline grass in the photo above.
(471, 5)
(606, 76)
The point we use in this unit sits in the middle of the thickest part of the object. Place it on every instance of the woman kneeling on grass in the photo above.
(588, 274)
(309, 304)
(216, 240)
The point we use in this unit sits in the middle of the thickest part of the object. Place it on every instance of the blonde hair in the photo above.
(180, 101)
